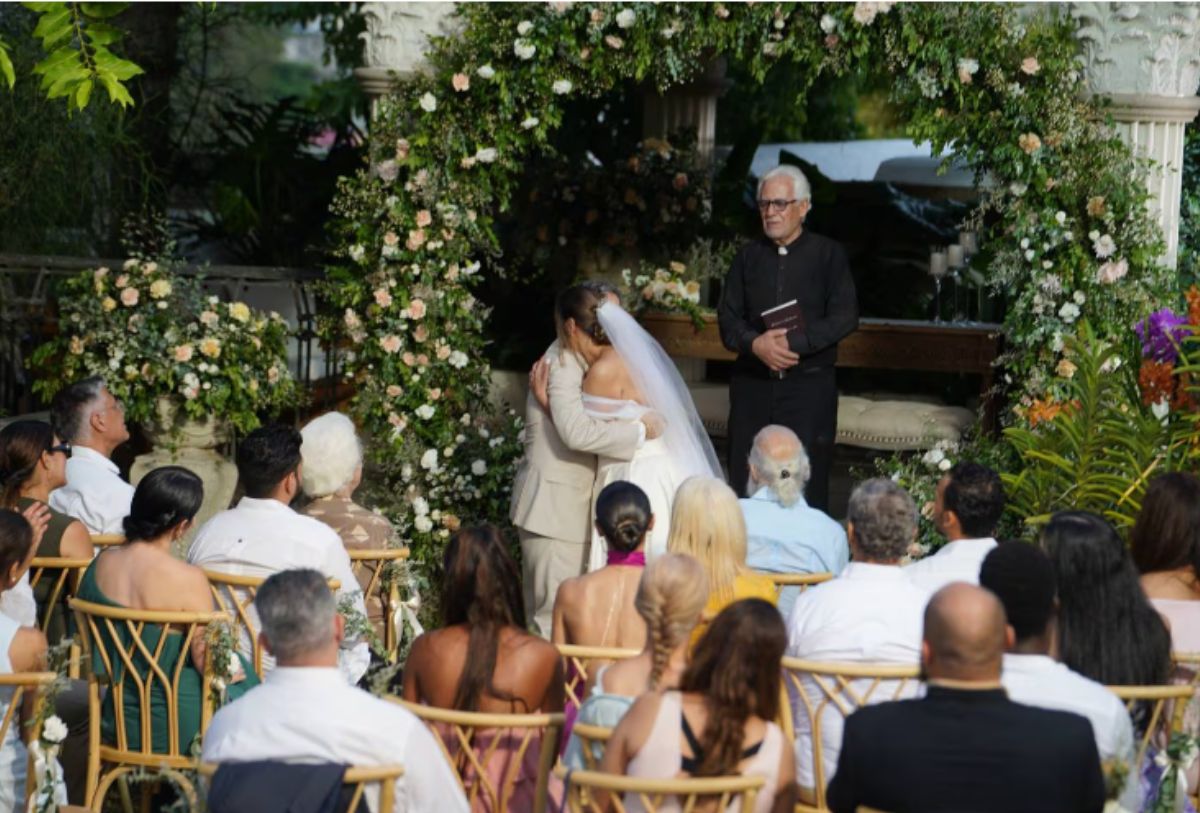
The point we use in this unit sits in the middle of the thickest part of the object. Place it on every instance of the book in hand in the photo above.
(787, 316)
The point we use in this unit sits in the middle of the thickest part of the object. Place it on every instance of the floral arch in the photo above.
(1069, 238)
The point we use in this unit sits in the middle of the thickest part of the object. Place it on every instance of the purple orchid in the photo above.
(1161, 333)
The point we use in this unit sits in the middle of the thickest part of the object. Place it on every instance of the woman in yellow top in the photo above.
(707, 524)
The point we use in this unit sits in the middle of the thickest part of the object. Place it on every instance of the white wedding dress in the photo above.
(663, 463)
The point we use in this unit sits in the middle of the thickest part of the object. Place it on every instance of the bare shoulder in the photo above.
(607, 376)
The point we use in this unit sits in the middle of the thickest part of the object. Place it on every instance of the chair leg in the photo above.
(126, 798)
(93, 764)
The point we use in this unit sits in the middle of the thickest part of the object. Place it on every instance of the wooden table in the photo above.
(878, 344)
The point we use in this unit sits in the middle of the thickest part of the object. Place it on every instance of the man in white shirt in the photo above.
(1022, 577)
(87, 416)
(262, 535)
(871, 613)
(305, 713)
(967, 509)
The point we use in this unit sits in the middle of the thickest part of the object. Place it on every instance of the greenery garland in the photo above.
(1068, 234)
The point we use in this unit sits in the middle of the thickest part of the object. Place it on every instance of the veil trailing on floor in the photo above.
(663, 390)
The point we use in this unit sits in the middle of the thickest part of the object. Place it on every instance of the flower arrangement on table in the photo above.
(680, 287)
(150, 332)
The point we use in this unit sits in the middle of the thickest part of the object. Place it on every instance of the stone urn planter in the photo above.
(181, 441)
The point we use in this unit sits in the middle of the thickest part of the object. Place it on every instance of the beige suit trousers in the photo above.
(545, 564)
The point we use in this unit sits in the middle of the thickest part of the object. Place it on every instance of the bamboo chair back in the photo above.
(107, 540)
(477, 744)
(1159, 709)
(371, 569)
(595, 792)
(821, 695)
(129, 656)
(593, 739)
(578, 662)
(60, 576)
(800, 580)
(358, 780)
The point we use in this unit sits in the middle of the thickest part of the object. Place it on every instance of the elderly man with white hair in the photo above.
(783, 534)
(332, 470)
(787, 301)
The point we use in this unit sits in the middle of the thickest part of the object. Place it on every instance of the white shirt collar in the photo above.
(967, 547)
(90, 455)
(1029, 663)
(872, 571)
(306, 677)
(259, 504)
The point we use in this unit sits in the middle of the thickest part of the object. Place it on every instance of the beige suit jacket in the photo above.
(552, 492)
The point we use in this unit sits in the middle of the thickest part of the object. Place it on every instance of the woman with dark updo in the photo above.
(142, 574)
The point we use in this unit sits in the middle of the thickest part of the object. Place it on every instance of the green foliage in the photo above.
(1189, 211)
(1099, 447)
(77, 41)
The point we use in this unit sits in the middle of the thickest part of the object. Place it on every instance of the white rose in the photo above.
(485, 72)
(562, 86)
(486, 155)
(479, 468)
(524, 49)
(458, 359)
(54, 730)
(933, 457)
(1060, 217)
(423, 524)
(425, 411)
(420, 506)
(428, 102)
(530, 123)
(626, 18)
(524, 27)
(429, 460)
(945, 465)
(828, 23)
(1079, 298)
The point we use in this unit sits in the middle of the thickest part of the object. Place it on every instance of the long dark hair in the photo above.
(736, 667)
(16, 538)
(1166, 535)
(481, 589)
(1107, 628)
(623, 514)
(164, 498)
(22, 444)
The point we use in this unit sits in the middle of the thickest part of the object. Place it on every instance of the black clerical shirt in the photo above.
(815, 273)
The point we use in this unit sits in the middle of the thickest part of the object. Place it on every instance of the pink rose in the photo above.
(443, 352)
(129, 297)
(416, 309)
(391, 238)
(424, 218)
(409, 359)
(382, 298)
(461, 82)
(1030, 66)
(435, 394)
(416, 239)
(183, 353)
(422, 360)
(390, 344)
(394, 391)
(121, 281)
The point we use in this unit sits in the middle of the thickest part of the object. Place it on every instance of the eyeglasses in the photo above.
(778, 204)
(65, 448)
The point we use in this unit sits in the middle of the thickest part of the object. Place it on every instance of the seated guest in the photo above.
(332, 469)
(263, 535)
(1022, 578)
(720, 721)
(1107, 629)
(88, 417)
(483, 660)
(597, 608)
(142, 574)
(22, 649)
(670, 598)
(871, 613)
(1165, 544)
(783, 534)
(33, 462)
(302, 629)
(965, 746)
(707, 524)
(967, 509)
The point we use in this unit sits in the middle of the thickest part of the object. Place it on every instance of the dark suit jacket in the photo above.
(966, 751)
(277, 787)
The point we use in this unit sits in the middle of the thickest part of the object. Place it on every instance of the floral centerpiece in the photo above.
(681, 286)
(152, 335)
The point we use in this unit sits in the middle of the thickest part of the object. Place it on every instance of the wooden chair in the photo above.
(385, 776)
(62, 577)
(474, 742)
(1164, 706)
(22, 683)
(578, 662)
(801, 580)
(107, 540)
(841, 688)
(594, 791)
(125, 662)
(371, 566)
(592, 738)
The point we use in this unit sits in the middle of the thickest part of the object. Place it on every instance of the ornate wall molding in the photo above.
(396, 39)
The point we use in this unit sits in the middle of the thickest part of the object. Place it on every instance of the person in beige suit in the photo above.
(552, 492)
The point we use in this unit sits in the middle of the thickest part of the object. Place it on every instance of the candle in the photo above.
(955, 256)
(937, 264)
(969, 241)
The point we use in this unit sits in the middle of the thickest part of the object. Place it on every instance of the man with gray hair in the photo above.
(871, 613)
(783, 534)
(305, 713)
(787, 301)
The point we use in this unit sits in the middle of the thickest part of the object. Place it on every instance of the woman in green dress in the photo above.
(33, 462)
(142, 574)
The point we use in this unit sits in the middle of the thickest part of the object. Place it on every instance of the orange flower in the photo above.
(1193, 301)
(1156, 380)
(1042, 411)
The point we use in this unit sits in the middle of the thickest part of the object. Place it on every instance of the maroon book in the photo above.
(787, 316)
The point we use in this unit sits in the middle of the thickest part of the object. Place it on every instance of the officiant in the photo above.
(784, 372)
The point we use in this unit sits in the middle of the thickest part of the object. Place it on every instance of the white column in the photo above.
(1145, 57)
(395, 42)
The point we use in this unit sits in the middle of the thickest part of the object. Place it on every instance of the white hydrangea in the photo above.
(562, 86)
(420, 506)
(425, 411)
(428, 102)
(479, 468)
(524, 49)
(626, 18)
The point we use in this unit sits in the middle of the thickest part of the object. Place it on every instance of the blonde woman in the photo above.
(707, 523)
(670, 598)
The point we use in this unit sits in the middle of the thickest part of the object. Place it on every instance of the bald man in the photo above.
(965, 747)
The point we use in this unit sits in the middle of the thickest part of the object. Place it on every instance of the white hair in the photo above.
(786, 477)
(331, 453)
(800, 186)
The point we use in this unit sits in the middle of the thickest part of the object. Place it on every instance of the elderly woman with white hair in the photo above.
(331, 470)
(784, 534)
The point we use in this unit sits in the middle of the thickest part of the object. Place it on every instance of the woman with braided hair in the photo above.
(719, 722)
(670, 598)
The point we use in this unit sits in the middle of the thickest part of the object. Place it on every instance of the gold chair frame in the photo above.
(22, 682)
(68, 570)
(691, 794)
(107, 540)
(92, 618)
(801, 580)
(388, 593)
(386, 776)
(577, 661)
(839, 690)
(591, 737)
(463, 727)
(1167, 706)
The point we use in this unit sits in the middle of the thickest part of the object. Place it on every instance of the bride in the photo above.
(628, 375)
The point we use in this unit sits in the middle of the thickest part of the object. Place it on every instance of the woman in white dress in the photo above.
(628, 375)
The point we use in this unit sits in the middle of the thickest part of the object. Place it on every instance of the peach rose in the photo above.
(424, 218)
(129, 297)
(461, 82)
(416, 309)
(183, 353)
